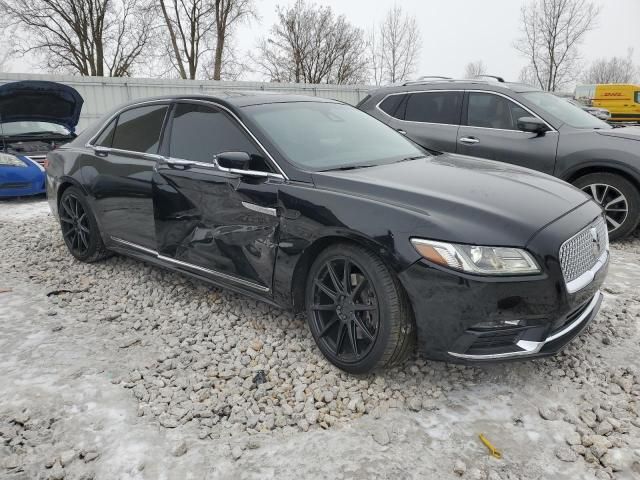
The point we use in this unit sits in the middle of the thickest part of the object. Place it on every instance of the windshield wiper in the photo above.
(350, 167)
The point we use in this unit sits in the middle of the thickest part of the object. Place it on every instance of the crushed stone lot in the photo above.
(121, 370)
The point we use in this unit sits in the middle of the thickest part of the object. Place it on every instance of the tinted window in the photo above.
(105, 139)
(390, 105)
(434, 107)
(493, 111)
(322, 136)
(199, 132)
(138, 129)
(637, 97)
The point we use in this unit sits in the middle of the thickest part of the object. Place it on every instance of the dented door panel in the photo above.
(204, 218)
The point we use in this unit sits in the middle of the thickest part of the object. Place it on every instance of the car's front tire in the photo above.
(357, 310)
(79, 227)
(619, 198)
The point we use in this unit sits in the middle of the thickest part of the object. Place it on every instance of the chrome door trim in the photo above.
(259, 209)
(417, 91)
(214, 273)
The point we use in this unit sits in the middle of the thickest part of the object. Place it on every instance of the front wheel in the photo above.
(358, 312)
(619, 199)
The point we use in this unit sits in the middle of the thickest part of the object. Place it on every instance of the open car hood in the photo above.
(40, 101)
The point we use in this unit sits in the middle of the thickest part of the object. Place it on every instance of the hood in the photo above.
(630, 133)
(501, 204)
(39, 101)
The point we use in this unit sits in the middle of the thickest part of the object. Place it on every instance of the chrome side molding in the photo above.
(208, 271)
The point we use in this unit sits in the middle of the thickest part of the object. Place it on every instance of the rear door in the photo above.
(490, 130)
(218, 223)
(119, 172)
(429, 118)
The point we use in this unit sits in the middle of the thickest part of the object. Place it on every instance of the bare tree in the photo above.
(228, 13)
(309, 44)
(394, 47)
(190, 26)
(552, 32)
(612, 70)
(473, 69)
(89, 37)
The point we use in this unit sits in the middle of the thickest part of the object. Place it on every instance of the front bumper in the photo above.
(471, 319)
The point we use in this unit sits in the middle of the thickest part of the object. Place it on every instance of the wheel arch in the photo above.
(616, 169)
(309, 254)
(66, 182)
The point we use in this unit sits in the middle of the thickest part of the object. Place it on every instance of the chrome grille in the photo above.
(581, 252)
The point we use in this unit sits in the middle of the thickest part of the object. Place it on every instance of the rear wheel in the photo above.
(357, 311)
(619, 199)
(79, 227)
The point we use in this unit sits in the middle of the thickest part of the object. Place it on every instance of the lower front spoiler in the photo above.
(554, 342)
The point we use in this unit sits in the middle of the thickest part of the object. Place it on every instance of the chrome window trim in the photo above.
(217, 168)
(531, 348)
(214, 273)
(168, 102)
(551, 129)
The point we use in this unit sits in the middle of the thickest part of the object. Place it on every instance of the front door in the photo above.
(119, 174)
(491, 131)
(217, 223)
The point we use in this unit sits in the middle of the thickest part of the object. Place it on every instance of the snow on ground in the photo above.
(140, 373)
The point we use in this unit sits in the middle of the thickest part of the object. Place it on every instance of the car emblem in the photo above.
(595, 242)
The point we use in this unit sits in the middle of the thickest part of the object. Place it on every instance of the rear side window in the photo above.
(493, 111)
(390, 105)
(434, 107)
(138, 129)
(105, 139)
(199, 132)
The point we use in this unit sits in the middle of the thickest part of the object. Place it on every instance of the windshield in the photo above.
(325, 136)
(11, 129)
(564, 111)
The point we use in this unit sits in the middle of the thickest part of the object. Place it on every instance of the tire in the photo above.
(608, 187)
(369, 310)
(79, 227)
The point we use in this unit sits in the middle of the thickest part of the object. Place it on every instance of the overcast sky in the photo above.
(456, 32)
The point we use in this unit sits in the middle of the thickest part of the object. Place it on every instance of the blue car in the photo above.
(35, 118)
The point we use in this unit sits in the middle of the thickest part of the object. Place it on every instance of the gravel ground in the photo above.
(122, 370)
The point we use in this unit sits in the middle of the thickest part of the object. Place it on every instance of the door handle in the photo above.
(176, 162)
(469, 140)
(399, 130)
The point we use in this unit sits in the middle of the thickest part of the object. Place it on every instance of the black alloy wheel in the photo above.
(357, 311)
(79, 227)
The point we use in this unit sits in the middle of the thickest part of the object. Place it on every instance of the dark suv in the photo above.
(522, 125)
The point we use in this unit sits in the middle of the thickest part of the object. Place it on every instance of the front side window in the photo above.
(564, 111)
(434, 107)
(138, 129)
(493, 111)
(199, 132)
(323, 136)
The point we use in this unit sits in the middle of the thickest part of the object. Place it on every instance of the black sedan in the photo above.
(313, 205)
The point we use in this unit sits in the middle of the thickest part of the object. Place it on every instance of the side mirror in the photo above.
(233, 160)
(532, 125)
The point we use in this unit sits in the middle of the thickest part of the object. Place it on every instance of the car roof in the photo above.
(452, 84)
(238, 98)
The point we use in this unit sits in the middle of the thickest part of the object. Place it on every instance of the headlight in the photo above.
(477, 259)
(11, 160)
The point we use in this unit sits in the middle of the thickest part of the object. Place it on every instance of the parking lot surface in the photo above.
(120, 370)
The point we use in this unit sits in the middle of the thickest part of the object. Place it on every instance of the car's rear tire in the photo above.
(357, 310)
(618, 197)
(79, 227)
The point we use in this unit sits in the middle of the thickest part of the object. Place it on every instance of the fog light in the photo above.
(499, 324)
